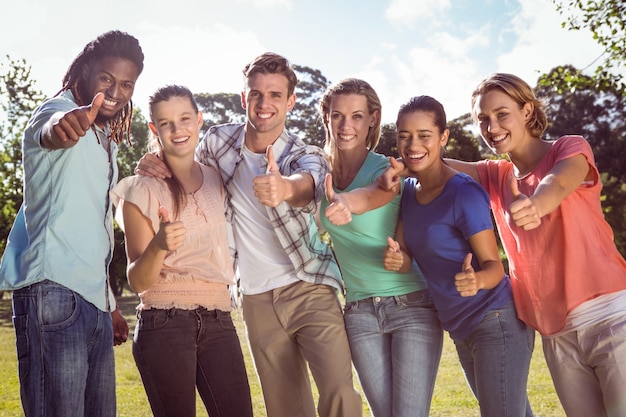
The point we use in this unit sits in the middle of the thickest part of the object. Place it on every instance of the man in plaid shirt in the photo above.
(289, 278)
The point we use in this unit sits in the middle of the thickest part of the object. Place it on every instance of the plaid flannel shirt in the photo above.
(295, 227)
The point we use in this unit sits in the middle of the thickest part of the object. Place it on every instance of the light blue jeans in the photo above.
(65, 353)
(496, 360)
(396, 345)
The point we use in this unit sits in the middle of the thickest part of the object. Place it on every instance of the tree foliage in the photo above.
(127, 158)
(18, 98)
(303, 120)
(606, 20)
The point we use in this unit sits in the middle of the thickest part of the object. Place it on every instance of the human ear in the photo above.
(527, 110)
(153, 129)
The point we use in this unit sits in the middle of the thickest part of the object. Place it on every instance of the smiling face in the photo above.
(177, 125)
(266, 100)
(420, 140)
(350, 121)
(113, 76)
(501, 121)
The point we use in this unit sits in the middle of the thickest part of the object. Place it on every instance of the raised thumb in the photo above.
(515, 188)
(272, 166)
(163, 215)
(467, 263)
(94, 107)
(393, 245)
(330, 193)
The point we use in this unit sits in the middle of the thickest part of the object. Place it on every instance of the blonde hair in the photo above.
(349, 86)
(520, 92)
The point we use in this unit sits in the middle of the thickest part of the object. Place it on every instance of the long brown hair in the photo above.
(165, 93)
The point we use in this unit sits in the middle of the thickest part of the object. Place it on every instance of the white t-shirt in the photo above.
(263, 263)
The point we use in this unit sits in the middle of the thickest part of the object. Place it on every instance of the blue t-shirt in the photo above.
(436, 235)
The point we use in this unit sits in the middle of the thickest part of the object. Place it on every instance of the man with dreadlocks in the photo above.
(57, 258)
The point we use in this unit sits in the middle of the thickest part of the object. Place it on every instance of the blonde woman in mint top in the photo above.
(392, 325)
(179, 263)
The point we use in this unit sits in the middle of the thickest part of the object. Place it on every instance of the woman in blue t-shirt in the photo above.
(445, 225)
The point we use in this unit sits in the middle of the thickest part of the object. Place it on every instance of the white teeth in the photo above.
(264, 115)
(496, 139)
(416, 155)
(110, 103)
(180, 140)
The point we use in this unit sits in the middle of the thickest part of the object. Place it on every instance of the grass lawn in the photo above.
(452, 397)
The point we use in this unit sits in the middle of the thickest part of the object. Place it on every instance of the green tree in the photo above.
(127, 158)
(220, 108)
(303, 120)
(606, 20)
(462, 144)
(18, 98)
(387, 145)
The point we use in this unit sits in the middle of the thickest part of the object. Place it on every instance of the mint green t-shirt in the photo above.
(360, 245)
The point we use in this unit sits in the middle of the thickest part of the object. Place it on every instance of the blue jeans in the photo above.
(65, 353)
(496, 359)
(396, 345)
(177, 351)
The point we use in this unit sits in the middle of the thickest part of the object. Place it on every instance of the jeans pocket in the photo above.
(57, 307)
(153, 319)
(225, 320)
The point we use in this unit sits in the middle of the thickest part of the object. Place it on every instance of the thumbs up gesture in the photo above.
(389, 180)
(170, 236)
(338, 211)
(393, 258)
(71, 126)
(522, 210)
(465, 281)
(270, 188)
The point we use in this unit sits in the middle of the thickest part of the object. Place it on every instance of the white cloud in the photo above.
(406, 12)
(208, 59)
(264, 4)
(543, 44)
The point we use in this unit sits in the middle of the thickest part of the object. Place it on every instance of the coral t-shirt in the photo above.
(571, 257)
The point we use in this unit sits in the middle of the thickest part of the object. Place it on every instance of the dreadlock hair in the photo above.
(164, 94)
(110, 44)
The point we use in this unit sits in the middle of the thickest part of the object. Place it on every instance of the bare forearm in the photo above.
(145, 270)
(300, 189)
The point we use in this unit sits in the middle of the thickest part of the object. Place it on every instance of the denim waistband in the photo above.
(412, 296)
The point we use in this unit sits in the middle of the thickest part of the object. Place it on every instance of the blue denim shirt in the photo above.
(295, 227)
(66, 233)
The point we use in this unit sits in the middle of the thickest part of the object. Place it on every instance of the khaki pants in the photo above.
(289, 327)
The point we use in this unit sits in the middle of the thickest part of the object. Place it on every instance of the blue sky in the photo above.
(442, 48)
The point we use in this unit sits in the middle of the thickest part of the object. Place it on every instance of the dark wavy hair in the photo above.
(115, 44)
